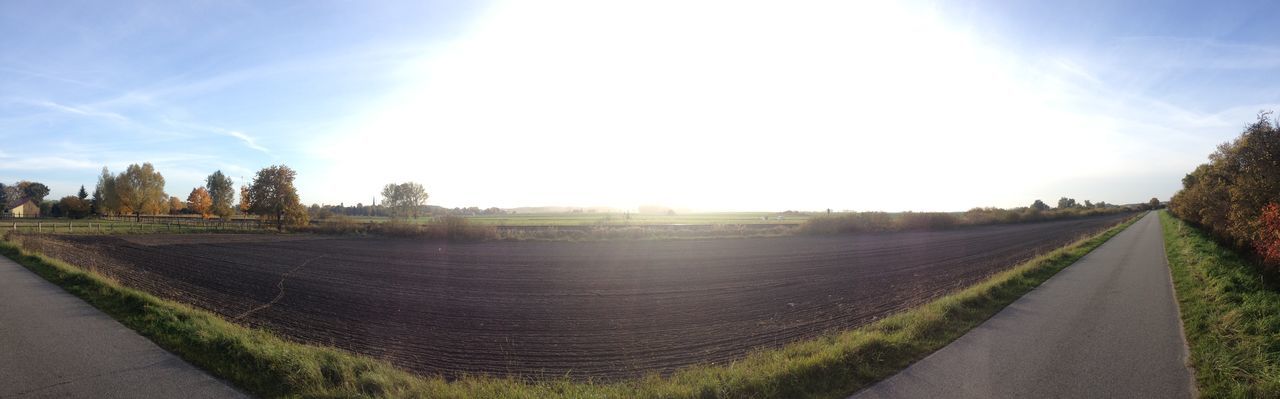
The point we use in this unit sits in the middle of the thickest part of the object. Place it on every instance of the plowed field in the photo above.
(587, 309)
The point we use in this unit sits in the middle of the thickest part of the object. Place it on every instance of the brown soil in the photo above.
(601, 310)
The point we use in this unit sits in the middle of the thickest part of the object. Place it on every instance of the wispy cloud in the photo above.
(76, 110)
(248, 141)
(46, 163)
(50, 77)
(1142, 52)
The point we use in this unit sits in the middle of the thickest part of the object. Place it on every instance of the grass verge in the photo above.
(832, 366)
(1228, 314)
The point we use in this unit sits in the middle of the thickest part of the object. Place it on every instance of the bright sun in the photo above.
(714, 106)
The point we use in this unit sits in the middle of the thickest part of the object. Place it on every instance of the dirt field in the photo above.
(589, 309)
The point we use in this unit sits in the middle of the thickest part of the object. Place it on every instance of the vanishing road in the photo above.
(52, 344)
(1105, 327)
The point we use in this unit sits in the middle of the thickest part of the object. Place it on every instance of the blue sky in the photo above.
(704, 105)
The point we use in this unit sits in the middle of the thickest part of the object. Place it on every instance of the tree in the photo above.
(4, 195)
(1040, 205)
(405, 199)
(272, 195)
(1064, 203)
(200, 202)
(82, 195)
(1154, 203)
(106, 201)
(12, 195)
(244, 199)
(223, 192)
(33, 190)
(73, 207)
(141, 190)
(176, 205)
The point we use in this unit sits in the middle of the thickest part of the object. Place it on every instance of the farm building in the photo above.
(24, 209)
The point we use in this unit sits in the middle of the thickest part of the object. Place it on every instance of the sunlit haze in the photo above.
(708, 106)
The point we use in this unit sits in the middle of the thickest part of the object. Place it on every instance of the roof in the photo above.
(23, 202)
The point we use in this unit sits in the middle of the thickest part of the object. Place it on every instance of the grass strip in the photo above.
(1230, 316)
(832, 366)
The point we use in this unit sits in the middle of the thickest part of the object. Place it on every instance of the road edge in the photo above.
(1177, 305)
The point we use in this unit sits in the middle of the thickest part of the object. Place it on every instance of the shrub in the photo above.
(864, 222)
(1231, 195)
(342, 224)
(853, 222)
(1267, 242)
(926, 221)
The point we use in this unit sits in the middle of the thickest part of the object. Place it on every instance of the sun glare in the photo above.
(714, 106)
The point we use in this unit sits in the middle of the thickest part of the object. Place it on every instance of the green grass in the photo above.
(832, 366)
(1230, 316)
(121, 226)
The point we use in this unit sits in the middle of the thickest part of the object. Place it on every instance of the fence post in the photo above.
(39, 227)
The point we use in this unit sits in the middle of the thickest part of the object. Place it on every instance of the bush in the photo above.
(341, 224)
(1233, 195)
(449, 227)
(869, 222)
(1267, 243)
(73, 207)
(927, 221)
(853, 222)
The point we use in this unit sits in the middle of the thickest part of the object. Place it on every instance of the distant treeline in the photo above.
(324, 212)
(1236, 196)
(862, 222)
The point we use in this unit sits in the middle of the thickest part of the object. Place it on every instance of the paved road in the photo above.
(52, 344)
(1105, 327)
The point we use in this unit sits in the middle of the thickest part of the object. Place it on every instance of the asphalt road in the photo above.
(1105, 327)
(52, 344)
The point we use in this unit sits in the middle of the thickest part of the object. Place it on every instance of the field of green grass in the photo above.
(1230, 315)
(832, 366)
(120, 226)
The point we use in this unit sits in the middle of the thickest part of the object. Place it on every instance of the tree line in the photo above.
(140, 190)
(865, 222)
(1236, 195)
(326, 211)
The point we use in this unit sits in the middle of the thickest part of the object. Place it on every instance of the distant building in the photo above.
(24, 209)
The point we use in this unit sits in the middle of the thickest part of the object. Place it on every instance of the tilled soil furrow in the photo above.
(601, 310)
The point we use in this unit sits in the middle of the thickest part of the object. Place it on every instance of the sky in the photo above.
(701, 105)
